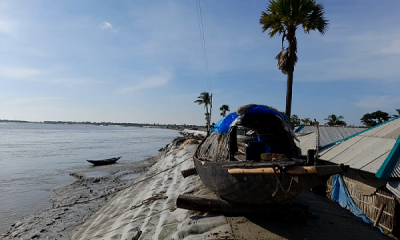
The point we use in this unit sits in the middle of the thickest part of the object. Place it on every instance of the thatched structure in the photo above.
(370, 195)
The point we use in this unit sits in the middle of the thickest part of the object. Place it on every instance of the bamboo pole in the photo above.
(378, 217)
(296, 170)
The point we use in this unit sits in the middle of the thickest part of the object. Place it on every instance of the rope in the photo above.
(278, 184)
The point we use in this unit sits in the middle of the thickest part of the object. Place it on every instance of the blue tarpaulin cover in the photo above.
(223, 125)
(341, 195)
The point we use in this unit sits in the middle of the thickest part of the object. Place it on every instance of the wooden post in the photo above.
(378, 217)
(292, 211)
(232, 142)
(310, 157)
(189, 172)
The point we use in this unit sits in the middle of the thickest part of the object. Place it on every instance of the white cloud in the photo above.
(107, 26)
(392, 48)
(148, 82)
(378, 102)
(18, 73)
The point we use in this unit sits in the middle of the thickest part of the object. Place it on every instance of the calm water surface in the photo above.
(35, 159)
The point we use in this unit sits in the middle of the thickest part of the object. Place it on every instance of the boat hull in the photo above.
(253, 188)
(104, 162)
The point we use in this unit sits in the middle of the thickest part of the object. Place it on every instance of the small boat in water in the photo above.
(104, 161)
(263, 168)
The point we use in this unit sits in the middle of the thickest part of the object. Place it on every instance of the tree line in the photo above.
(369, 119)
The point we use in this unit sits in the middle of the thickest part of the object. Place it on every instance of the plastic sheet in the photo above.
(341, 195)
(223, 125)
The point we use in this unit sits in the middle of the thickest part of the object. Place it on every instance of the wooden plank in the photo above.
(295, 170)
(271, 164)
(385, 196)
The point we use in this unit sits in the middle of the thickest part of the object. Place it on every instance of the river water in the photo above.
(36, 159)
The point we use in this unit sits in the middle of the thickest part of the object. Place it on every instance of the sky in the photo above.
(142, 61)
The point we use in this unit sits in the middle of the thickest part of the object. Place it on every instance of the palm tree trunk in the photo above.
(289, 93)
(208, 120)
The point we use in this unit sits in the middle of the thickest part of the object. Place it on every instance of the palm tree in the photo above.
(283, 17)
(333, 120)
(224, 108)
(306, 121)
(205, 98)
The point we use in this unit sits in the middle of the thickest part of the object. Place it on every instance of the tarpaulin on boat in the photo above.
(341, 195)
(223, 125)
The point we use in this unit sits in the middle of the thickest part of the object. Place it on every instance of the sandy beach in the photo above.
(112, 206)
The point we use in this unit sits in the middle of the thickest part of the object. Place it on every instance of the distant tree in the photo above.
(306, 121)
(284, 17)
(205, 98)
(224, 108)
(295, 120)
(314, 123)
(333, 120)
(375, 118)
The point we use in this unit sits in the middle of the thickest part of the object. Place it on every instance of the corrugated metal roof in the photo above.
(330, 135)
(306, 141)
(367, 150)
(396, 170)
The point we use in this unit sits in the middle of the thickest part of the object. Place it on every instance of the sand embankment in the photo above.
(147, 205)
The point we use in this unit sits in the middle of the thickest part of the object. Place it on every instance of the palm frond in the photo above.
(282, 58)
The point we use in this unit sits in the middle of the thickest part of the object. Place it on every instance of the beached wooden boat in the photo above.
(104, 161)
(231, 165)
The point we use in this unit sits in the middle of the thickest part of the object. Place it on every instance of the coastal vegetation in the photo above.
(224, 108)
(334, 120)
(205, 99)
(375, 118)
(284, 17)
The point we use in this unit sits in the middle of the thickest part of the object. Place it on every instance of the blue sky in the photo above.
(141, 61)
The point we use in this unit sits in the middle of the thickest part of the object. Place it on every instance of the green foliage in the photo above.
(333, 120)
(375, 118)
(295, 120)
(205, 98)
(224, 108)
(306, 121)
(284, 17)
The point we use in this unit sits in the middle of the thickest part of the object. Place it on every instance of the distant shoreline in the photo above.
(111, 124)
